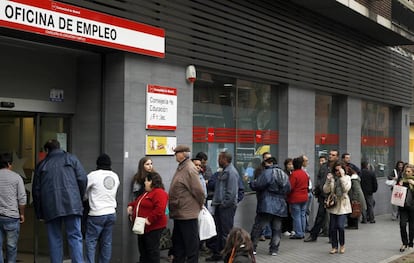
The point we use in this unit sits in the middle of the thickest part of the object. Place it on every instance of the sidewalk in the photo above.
(371, 243)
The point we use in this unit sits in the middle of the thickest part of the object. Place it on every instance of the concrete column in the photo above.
(350, 123)
(297, 124)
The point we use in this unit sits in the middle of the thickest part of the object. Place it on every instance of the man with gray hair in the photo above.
(186, 200)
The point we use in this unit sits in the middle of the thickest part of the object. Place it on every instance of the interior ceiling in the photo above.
(348, 17)
(9, 42)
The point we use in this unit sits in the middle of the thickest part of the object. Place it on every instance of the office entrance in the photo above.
(23, 134)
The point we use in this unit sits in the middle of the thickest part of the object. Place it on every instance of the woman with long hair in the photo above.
(407, 212)
(238, 247)
(144, 167)
(151, 206)
(338, 184)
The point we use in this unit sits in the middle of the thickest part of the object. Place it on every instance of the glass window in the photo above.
(236, 115)
(326, 125)
(377, 140)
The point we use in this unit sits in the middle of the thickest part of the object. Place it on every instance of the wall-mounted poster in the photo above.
(160, 145)
(161, 108)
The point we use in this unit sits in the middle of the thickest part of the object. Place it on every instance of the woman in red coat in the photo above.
(298, 197)
(151, 205)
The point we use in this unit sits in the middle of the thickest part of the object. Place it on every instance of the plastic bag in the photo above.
(207, 227)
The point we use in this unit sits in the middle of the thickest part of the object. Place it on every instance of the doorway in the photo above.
(23, 134)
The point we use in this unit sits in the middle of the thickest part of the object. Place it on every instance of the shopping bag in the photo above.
(139, 225)
(398, 195)
(207, 227)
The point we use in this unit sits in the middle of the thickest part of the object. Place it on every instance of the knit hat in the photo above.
(103, 162)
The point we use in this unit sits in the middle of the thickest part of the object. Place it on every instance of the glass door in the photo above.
(23, 135)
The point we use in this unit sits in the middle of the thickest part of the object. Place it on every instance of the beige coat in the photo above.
(343, 205)
(186, 196)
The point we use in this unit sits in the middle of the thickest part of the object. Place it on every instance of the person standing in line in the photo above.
(320, 179)
(271, 187)
(287, 222)
(298, 197)
(322, 160)
(206, 169)
(310, 194)
(346, 159)
(197, 164)
(224, 202)
(339, 184)
(407, 211)
(267, 230)
(101, 191)
(12, 202)
(355, 194)
(396, 175)
(186, 201)
(369, 186)
(145, 166)
(151, 205)
(59, 186)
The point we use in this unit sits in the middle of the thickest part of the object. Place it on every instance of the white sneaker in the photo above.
(292, 233)
(274, 254)
(286, 234)
(254, 252)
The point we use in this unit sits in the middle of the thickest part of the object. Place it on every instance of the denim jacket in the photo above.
(226, 188)
(272, 187)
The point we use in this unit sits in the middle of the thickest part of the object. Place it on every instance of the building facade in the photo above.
(288, 77)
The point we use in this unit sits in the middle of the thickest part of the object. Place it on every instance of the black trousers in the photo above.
(407, 216)
(149, 246)
(224, 219)
(320, 219)
(186, 241)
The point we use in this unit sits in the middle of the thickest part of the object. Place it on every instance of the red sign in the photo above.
(69, 22)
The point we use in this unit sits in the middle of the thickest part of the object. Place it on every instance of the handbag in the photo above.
(139, 223)
(356, 209)
(392, 182)
(207, 227)
(398, 195)
(330, 201)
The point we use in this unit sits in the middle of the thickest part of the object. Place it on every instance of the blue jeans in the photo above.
(298, 212)
(99, 228)
(337, 229)
(10, 228)
(276, 224)
(73, 231)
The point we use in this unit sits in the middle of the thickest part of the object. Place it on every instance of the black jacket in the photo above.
(369, 182)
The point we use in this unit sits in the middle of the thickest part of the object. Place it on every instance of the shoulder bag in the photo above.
(330, 201)
(139, 223)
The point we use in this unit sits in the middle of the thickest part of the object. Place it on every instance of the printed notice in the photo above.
(161, 108)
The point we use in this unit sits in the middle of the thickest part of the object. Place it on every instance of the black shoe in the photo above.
(372, 221)
(309, 239)
(363, 221)
(215, 258)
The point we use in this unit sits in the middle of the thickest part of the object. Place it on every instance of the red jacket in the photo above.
(152, 207)
(299, 181)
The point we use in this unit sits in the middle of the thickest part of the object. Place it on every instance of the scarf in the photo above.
(405, 180)
(338, 187)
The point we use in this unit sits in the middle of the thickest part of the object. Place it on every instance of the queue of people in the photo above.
(283, 198)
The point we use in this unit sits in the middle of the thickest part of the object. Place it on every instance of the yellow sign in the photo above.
(160, 145)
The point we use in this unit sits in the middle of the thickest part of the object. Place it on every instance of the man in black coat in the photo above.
(369, 186)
